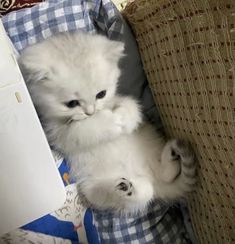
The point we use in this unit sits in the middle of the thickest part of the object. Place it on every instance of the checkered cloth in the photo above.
(161, 223)
(31, 25)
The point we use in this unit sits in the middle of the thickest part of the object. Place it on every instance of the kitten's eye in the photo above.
(72, 104)
(101, 94)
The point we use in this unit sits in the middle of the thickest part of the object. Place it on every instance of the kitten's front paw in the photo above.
(111, 122)
(129, 120)
(180, 163)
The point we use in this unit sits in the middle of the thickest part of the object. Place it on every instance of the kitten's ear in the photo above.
(115, 50)
(34, 64)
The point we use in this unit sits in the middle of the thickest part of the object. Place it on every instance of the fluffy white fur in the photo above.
(119, 161)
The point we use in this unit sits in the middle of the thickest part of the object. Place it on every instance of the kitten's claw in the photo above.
(174, 155)
(124, 187)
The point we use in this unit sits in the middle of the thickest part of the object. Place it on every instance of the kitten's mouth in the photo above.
(72, 120)
(69, 121)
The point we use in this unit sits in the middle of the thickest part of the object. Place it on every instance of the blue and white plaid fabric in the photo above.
(29, 26)
(161, 223)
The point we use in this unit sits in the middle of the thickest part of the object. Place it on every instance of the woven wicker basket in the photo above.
(187, 49)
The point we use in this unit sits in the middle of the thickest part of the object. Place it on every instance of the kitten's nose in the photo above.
(89, 110)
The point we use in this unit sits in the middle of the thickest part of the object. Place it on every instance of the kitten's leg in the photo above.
(124, 116)
(105, 125)
(101, 127)
(119, 194)
(178, 169)
(129, 111)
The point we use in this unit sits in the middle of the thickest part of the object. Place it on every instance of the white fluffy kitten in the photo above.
(119, 162)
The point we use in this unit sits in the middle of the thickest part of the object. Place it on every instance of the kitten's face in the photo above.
(75, 93)
(71, 77)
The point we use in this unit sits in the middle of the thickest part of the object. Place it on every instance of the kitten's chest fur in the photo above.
(134, 153)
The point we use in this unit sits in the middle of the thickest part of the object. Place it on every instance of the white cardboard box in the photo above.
(30, 184)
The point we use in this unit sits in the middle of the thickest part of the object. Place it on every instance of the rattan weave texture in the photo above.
(188, 52)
